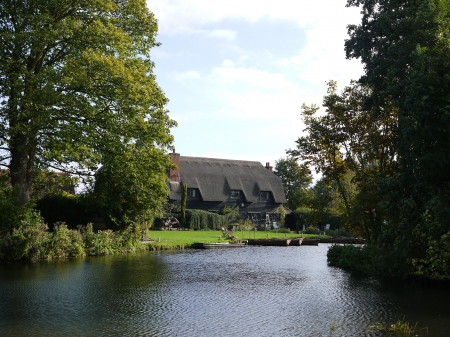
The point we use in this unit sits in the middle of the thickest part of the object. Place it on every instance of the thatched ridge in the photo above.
(214, 178)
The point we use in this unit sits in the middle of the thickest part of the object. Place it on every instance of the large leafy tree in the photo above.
(77, 87)
(131, 187)
(404, 46)
(295, 178)
(353, 148)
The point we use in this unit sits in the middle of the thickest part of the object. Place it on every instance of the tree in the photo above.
(404, 48)
(131, 187)
(77, 87)
(353, 148)
(295, 178)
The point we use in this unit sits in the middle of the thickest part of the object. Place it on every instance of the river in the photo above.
(251, 291)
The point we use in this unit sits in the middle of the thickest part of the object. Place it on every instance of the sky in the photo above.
(237, 72)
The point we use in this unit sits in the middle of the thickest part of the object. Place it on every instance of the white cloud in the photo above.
(251, 93)
(258, 88)
(222, 34)
(176, 16)
(227, 63)
(185, 76)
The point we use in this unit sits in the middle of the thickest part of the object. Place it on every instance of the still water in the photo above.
(251, 291)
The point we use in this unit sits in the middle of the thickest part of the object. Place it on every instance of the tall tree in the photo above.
(131, 187)
(77, 84)
(350, 145)
(404, 48)
(295, 178)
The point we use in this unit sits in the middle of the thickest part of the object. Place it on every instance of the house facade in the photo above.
(213, 184)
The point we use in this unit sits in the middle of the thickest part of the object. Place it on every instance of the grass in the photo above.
(401, 328)
(184, 239)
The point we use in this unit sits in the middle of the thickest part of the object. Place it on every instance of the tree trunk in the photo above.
(21, 169)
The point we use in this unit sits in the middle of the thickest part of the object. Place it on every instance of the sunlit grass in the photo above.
(183, 239)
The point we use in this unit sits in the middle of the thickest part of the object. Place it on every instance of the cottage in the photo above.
(213, 184)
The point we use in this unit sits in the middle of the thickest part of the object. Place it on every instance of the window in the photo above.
(234, 194)
(264, 195)
(192, 193)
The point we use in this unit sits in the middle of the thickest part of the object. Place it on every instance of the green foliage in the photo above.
(204, 220)
(295, 178)
(63, 242)
(245, 225)
(50, 183)
(349, 257)
(183, 205)
(77, 87)
(27, 241)
(282, 212)
(32, 241)
(401, 328)
(353, 147)
(321, 209)
(404, 49)
(131, 186)
(311, 230)
(231, 211)
(11, 214)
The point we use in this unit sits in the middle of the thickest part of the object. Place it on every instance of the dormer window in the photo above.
(264, 196)
(193, 193)
(235, 194)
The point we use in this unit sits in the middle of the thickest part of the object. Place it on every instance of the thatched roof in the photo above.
(216, 177)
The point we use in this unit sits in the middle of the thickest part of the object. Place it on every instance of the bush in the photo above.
(32, 241)
(338, 233)
(204, 220)
(311, 230)
(65, 242)
(28, 241)
(11, 216)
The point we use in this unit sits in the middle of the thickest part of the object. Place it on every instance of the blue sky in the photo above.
(237, 72)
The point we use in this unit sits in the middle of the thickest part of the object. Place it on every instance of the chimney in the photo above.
(174, 174)
(268, 167)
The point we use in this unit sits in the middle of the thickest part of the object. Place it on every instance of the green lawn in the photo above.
(183, 239)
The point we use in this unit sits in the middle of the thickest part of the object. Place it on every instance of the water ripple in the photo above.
(252, 291)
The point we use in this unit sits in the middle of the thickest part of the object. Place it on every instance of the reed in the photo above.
(402, 328)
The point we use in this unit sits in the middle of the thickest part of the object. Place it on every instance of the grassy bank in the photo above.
(184, 239)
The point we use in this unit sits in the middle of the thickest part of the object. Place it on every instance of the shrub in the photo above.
(27, 241)
(311, 230)
(65, 242)
(204, 220)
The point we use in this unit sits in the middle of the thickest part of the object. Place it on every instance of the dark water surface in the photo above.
(251, 291)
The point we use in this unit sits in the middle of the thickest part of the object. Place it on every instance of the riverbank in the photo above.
(162, 240)
(33, 241)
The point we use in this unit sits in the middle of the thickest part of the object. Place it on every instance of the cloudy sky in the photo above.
(237, 71)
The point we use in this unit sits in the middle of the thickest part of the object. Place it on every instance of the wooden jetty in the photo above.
(296, 242)
(310, 242)
(343, 240)
(269, 242)
(217, 245)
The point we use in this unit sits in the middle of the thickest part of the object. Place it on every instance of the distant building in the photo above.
(213, 184)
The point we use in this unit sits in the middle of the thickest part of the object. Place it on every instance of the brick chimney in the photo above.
(174, 174)
(269, 167)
